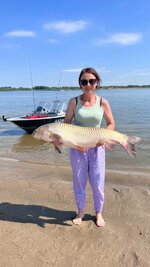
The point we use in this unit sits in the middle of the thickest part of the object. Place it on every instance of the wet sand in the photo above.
(36, 208)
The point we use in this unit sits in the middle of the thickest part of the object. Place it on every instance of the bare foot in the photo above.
(78, 219)
(99, 219)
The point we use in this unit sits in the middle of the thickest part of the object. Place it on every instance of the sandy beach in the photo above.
(36, 208)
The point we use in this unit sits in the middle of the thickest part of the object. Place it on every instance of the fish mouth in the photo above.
(43, 134)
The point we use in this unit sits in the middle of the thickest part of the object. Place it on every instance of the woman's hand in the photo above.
(102, 143)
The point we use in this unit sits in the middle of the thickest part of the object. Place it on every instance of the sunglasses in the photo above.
(84, 82)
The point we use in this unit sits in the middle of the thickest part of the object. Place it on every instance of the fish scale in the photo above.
(85, 137)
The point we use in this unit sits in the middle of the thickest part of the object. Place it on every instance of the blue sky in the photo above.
(54, 40)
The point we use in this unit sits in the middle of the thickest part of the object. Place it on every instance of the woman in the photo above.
(88, 110)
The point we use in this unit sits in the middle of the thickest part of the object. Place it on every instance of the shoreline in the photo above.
(71, 88)
(142, 171)
(36, 210)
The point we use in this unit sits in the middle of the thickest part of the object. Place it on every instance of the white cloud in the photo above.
(53, 41)
(121, 38)
(142, 72)
(72, 70)
(20, 33)
(135, 73)
(66, 26)
(101, 70)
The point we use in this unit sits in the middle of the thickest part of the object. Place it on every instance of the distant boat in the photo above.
(44, 113)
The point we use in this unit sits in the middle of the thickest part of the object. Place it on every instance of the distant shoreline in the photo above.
(65, 88)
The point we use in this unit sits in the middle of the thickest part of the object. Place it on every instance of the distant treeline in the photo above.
(64, 88)
(41, 87)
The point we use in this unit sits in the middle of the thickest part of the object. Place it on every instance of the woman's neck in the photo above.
(88, 100)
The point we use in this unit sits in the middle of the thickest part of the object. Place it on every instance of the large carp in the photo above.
(85, 137)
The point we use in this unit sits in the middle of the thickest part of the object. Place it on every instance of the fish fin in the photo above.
(57, 141)
(57, 149)
(109, 144)
(130, 149)
(134, 139)
(130, 145)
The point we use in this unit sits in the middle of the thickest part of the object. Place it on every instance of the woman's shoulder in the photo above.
(73, 101)
(104, 103)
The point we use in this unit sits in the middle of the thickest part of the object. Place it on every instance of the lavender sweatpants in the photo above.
(89, 164)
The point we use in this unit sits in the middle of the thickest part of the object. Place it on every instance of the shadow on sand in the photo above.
(36, 214)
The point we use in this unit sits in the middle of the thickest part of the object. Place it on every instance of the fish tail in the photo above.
(130, 145)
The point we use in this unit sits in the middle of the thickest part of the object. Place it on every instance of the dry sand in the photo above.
(36, 207)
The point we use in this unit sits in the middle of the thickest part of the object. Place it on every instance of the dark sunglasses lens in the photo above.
(85, 82)
(92, 81)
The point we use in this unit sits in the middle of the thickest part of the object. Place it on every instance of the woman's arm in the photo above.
(68, 119)
(108, 116)
(70, 111)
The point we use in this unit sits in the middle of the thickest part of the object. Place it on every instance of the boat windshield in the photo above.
(55, 106)
(41, 108)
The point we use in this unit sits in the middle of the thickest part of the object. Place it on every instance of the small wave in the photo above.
(8, 159)
(130, 172)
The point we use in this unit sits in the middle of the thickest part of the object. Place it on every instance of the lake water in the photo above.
(132, 116)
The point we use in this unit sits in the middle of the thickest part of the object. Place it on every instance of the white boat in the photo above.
(44, 113)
